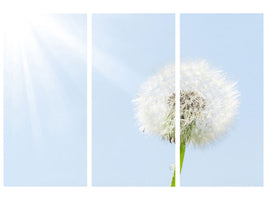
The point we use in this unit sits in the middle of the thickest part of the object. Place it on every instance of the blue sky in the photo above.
(45, 101)
(234, 44)
(127, 49)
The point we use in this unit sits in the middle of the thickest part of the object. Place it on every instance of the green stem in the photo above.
(173, 179)
(182, 151)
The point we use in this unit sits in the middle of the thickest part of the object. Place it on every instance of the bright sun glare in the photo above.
(28, 41)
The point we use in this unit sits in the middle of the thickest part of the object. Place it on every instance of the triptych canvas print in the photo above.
(145, 100)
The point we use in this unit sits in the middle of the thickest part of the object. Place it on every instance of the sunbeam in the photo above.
(45, 100)
(31, 42)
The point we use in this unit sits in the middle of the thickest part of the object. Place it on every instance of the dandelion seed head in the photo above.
(155, 104)
(208, 103)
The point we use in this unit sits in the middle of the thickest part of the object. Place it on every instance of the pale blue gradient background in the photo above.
(127, 49)
(45, 105)
(233, 43)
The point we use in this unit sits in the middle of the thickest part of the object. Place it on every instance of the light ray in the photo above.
(29, 61)
(115, 71)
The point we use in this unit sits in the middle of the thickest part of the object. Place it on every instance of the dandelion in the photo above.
(155, 106)
(208, 105)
